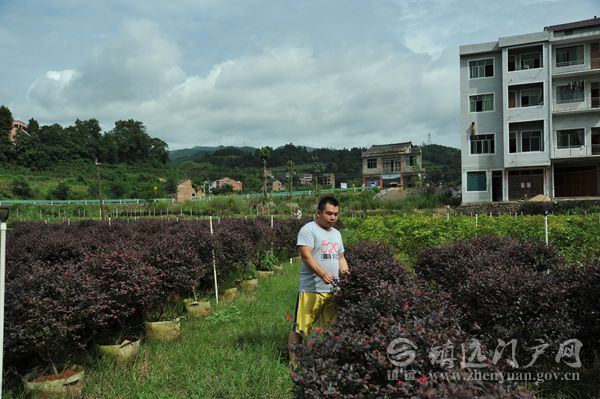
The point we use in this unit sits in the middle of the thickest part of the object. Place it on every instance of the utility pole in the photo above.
(291, 172)
(99, 186)
(316, 172)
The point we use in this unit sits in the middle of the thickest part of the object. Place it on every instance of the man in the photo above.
(322, 253)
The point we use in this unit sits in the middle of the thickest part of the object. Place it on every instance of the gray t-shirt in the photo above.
(326, 246)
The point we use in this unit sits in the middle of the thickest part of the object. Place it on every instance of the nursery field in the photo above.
(576, 237)
(430, 279)
(238, 352)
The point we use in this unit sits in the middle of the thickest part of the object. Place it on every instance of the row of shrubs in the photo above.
(71, 287)
(575, 237)
(487, 289)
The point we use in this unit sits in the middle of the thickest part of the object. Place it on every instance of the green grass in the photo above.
(239, 352)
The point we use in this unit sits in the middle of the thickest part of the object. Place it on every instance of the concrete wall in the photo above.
(487, 122)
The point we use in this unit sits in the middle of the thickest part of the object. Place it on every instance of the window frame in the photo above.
(558, 63)
(487, 142)
(540, 96)
(560, 100)
(369, 163)
(483, 102)
(391, 165)
(531, 132)
(485, 181)
(484, 68)
(534, 53)
(573, 130)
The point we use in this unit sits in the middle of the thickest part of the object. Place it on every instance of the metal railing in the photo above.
(524, 67)
(577, 105)
(575, 151)
(594, 63)
(170, 200)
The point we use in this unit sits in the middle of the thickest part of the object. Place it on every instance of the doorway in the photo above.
(496, 185)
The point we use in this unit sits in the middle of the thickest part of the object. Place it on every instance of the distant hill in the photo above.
(191, 154)
(441, 163)
(188, 153)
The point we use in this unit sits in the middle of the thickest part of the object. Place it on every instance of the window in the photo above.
(531, 141)
(531, 60)
(481, 68)
(481, 103)
(391, 165)
(531, 97)
(525, 141)
(512, 142)
(371, 163)
(569, 56)
(572, 92)
(570, 138)
(482, 144)
(476, 181)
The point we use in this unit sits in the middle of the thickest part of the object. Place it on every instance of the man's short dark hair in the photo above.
(327, 200)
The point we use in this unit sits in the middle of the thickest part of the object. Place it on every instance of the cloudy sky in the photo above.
(322, 73)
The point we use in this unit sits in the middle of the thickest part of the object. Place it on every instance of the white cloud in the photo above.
(280, 94)
(337, 73)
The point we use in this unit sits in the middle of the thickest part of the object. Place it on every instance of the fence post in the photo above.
(546, 228)
(214, 265)
(2, 286)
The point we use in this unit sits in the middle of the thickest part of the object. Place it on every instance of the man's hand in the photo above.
(343, 264)
(328, 278)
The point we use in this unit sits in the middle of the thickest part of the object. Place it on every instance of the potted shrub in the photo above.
(123, 352)
(164, 331)
(250, 281)
(266, 264)
(45, 383)
(45, 324)
(126, 288)
(197, 308)
(230, 294)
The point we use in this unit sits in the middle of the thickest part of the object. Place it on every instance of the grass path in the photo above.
(240, 353)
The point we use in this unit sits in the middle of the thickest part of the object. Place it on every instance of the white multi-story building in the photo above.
(530, 115)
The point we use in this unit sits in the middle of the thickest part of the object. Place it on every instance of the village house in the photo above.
(530, 115)
(277, 186)
(392, 165)
(329, 180)
(306, 179)
(186, 191)
(18, 126)
(235, 185)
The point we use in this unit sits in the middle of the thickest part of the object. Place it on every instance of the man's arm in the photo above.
(343, 263)
(310, 261)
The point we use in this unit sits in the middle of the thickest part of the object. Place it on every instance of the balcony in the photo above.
(588, 150)
(576, 67)
(589, 104)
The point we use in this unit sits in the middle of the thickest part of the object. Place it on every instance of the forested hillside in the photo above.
(56, 162)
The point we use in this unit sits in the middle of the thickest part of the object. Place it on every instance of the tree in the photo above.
(117, 189)
(6, 121)
(60, 192)
(264, 154)
(252, 183)
(171, 185)
(133, 143)
(159, 151)
(33, 127)
(20, 187)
